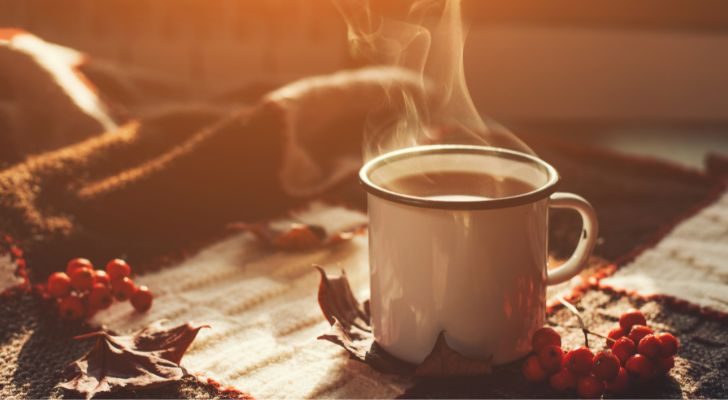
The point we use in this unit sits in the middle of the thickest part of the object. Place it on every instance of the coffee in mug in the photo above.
(458, 185)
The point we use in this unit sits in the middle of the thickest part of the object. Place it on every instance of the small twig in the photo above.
(591, 333)
(602, 336)
(574, 311)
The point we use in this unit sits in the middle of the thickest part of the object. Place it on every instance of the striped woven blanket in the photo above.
(160, 189)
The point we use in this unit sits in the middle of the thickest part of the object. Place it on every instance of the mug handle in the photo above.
(587, 239)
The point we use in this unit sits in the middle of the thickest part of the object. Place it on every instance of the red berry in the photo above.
(100, 297)
(563, 380)
(78, 263)
(71, 307)
(624, 348)
(630, 319)
(638, 332)
(606, 365)
(620, 384)
(664, 364)
(649, 346)
(589, 387)
(100, 276)
(640, 367)
(668, 344)
(533, 371)
(614, 334)
(142, 299)
(551, 358)
(117, 269)
(123, 289)
(579, 361)
(543, 337)
(59, 284)
(82, 278)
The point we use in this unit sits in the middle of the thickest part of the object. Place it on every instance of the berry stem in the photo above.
(576, 313)
(602, 336)
(587, 331)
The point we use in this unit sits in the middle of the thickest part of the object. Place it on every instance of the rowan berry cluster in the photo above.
(634, 355)
(81, 291)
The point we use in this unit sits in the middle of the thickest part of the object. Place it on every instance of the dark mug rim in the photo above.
(502, 202)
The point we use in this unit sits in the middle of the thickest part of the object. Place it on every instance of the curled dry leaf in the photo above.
(351, 329)
(337, 302)
(149, 357)
(444, 361)
(296, 237)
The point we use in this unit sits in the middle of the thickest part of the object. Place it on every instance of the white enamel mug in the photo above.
(473, 269)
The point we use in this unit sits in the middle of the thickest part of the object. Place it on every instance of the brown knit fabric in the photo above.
(33, 98)
(153, 186)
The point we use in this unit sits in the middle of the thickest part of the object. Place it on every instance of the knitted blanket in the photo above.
(689, 263)
(264, 316)
(160, 189)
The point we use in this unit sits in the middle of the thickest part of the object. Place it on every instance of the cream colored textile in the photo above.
(264, 315)
(690, 263)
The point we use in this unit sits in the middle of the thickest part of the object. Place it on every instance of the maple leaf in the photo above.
(351, 329)
(337, 302)
(147, 358)
(295, 237)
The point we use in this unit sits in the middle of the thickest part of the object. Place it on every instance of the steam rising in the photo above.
(429, 41)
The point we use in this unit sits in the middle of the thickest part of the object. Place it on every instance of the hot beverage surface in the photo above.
(458, 186)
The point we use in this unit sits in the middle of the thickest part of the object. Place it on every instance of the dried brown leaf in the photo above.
(144, 359)
(361, 346)
(444, 361)
(296, 237)
(337, 302)
(351, 329)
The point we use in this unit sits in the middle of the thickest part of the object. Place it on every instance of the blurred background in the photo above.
(641, 76)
